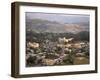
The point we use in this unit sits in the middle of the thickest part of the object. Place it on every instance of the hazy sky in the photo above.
(62, 18)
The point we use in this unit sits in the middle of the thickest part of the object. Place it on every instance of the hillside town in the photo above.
(63, 51)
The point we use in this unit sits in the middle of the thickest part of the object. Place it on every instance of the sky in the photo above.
(62, 18)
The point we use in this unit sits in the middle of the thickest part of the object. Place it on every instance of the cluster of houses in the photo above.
(63, 52)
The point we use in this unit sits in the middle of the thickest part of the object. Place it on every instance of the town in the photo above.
(62, 51)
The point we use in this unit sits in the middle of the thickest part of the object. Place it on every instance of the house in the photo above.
(33, 45)
(65, 40)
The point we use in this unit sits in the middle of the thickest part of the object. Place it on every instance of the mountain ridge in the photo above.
(39, 25)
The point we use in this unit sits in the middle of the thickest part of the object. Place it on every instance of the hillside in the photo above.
(39, 26)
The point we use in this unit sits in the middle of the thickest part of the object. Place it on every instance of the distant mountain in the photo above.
(39, 26)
